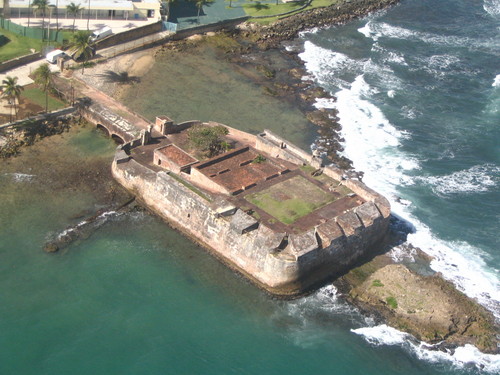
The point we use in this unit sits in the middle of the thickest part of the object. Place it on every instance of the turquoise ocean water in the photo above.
(418, 99)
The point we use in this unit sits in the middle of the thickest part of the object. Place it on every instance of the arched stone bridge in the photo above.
(114, 125)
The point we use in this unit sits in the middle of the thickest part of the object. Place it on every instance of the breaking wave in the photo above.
(492, 7)
(373, 144)
(461, 357)
(496, 81)
(479, 178)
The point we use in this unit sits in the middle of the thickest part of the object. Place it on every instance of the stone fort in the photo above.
(266, 208)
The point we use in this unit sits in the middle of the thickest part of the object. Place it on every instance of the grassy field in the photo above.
(17, 46)
(37, 96)
(291, 199)
(270, 8)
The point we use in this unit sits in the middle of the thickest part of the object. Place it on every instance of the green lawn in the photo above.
(290, 200)
(37, 96)
(17, 46)
(269, 8)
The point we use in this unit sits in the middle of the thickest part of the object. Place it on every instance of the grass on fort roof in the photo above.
(270, 8)
(292, 199)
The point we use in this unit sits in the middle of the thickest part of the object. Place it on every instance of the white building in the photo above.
(93, 9)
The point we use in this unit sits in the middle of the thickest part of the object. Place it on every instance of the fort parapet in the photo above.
(266, 208)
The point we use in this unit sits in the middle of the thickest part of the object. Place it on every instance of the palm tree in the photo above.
(80, 46)
(88, 18)
(169, 4)
(44, 77)
(57, 17)
(73, 9)
(11, 91)
(42, 5)
(199, 5)
(29, 12)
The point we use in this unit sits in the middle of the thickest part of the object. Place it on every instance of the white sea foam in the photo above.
(99, 220)
(372, 143)
(304, 318)
(492, 7)
(21, 177)
(410, 112)
(376, 30)
(388, 56)
(324, 62)
(462, 356)
(496, 81)
(479, 178)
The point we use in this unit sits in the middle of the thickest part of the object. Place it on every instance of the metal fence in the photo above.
(31, 32)
(134, 44)
(169, 26)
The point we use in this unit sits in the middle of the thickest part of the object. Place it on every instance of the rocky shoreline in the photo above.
(339, 13)
(426, 306)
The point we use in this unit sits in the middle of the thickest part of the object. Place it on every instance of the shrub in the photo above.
(391, 301)
(208, 139)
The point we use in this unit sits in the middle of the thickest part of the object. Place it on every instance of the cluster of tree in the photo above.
(208, 140)
(43, 6)
(11, 90)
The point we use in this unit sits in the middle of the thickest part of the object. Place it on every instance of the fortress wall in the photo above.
(289, 147)
(249, 138)
(268, 146)
(250, 247)
(248, 253)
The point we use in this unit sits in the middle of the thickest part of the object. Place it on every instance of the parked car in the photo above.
(101, 34)
(52, 56)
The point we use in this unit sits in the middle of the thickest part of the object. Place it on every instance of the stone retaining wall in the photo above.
(18, 61)
(280, 263)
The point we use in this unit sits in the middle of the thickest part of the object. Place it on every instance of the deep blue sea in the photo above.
(418, 95)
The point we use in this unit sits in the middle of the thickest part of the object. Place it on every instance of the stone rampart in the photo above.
(278, 147)
(280, 263)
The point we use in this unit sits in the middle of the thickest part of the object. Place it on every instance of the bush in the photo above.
(391, 301)
(208, 139)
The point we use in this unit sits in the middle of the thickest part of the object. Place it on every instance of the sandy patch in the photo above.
(135, 64)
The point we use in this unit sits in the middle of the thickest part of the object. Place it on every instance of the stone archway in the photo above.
(119, 140)
(103, 129)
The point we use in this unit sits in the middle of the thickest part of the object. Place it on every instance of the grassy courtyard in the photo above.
(290, 200)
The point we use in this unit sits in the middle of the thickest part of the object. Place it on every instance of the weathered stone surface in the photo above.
(430, 308)
(350, 223)
(329, 231)
(242, 223)
(367, 213)
(301, 244)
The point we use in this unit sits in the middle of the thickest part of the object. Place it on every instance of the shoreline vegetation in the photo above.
(420, 303)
